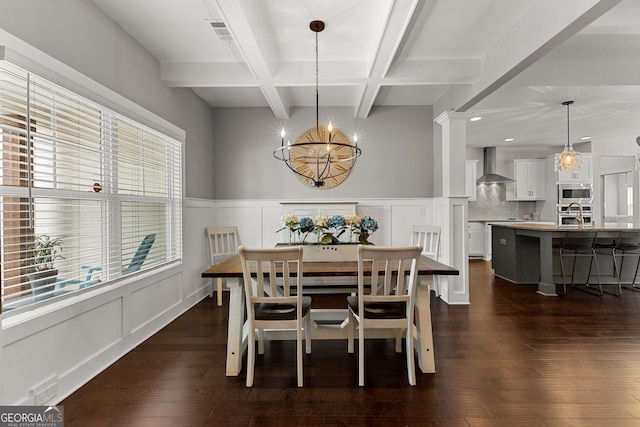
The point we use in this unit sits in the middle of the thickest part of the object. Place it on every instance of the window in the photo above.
(87, 195)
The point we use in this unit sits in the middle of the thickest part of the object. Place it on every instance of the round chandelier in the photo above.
(322, 156)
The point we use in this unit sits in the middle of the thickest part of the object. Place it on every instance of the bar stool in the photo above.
(627, 244)
(579, 244)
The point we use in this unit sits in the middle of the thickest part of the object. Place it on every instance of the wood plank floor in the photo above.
(510, 358)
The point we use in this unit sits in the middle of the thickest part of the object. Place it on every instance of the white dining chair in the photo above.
(223, 243)
(273, 293)
(389, 304)
(429, 237)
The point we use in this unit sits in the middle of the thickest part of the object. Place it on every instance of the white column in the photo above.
(454, 147)
(636, 197)
(455, 241)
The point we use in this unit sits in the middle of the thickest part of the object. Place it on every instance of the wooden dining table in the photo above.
(231, 269)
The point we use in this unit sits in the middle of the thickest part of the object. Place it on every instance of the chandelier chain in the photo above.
(317, 85)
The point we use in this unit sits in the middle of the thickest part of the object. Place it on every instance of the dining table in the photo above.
(319, 274)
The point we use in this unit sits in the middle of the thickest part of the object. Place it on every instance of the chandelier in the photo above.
(322, 157)
(568, 159)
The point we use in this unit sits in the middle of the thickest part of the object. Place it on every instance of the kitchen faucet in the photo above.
(579, 217)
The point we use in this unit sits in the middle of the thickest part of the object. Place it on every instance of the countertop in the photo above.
(492, 221)
(549, 227)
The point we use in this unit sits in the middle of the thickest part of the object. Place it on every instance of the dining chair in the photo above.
(273, 293)
(578, 244)
(429, 237)
(389, 304)
(223, 243)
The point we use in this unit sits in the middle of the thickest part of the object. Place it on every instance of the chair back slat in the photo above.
(393, 272)
(429, 237)
(223, 243)
(275, 272)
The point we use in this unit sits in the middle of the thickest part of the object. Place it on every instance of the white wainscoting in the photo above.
(70, 341)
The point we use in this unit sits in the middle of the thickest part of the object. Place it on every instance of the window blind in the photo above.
(87, 195)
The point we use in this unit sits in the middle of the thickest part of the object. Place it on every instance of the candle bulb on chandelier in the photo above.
(330, 128)
(282, 134)
(355, 139)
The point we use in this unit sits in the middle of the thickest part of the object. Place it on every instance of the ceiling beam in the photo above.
(397, 23)
(241, 21)
(548, 24)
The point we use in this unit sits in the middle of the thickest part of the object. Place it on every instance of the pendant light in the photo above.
(568, 159)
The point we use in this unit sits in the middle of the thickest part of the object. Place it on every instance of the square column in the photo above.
(454, 239)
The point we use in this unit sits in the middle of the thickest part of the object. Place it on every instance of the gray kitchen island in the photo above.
(524, 254)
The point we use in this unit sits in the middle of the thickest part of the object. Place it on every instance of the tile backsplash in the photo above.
(491, 203)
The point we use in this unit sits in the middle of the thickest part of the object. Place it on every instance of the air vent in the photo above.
(221, 30)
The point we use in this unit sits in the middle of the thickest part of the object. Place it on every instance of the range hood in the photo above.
(490, 177)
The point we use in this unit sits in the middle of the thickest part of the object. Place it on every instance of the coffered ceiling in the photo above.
(511, 62)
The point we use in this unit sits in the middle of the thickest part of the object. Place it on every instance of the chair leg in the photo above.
(564, 283)
(251, 354)
(350, 331)
(411, 364)
(219, 291)
(595, 261)
(307, 333)
(299, 354)
(260, 341)
(399, 340)
(633, 286)
(361, 353)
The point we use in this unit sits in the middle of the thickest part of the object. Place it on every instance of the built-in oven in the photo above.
(569, 214)
(581, 193)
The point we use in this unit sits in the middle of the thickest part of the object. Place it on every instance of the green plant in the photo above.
(45, 250)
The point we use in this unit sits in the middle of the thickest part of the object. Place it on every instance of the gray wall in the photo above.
(396, 161)
(79, 34)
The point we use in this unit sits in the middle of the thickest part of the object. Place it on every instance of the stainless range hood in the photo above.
(490, 177)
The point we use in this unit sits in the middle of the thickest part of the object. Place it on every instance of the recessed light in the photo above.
(475, 119)
(508, 139)
(584, 138)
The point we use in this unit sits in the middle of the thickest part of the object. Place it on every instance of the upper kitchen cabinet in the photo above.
(582, 175)
(530, 179)
(471, 176)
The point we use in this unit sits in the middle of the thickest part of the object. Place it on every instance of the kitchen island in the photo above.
(523, 253)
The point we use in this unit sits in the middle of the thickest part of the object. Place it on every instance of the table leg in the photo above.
(424, 341)
(235, 344)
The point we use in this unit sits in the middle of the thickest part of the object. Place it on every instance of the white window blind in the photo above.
(106, 189)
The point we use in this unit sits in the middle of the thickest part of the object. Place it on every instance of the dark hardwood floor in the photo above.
(510, 358)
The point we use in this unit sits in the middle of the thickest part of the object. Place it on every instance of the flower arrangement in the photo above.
(329, 229)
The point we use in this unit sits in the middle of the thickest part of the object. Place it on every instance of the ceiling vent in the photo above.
(221, 30)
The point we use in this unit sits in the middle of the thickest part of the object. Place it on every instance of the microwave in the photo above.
(575, 209)
(581, 193)
(572, 219)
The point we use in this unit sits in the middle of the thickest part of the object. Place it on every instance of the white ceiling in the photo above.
(511, 62)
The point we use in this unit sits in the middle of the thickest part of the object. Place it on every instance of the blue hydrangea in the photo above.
(368, 224)
(336, 221)
(306, 224)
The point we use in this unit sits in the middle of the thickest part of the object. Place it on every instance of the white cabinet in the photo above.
(471, 177)
(476, 238)
(582, 175)
(530, 179)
